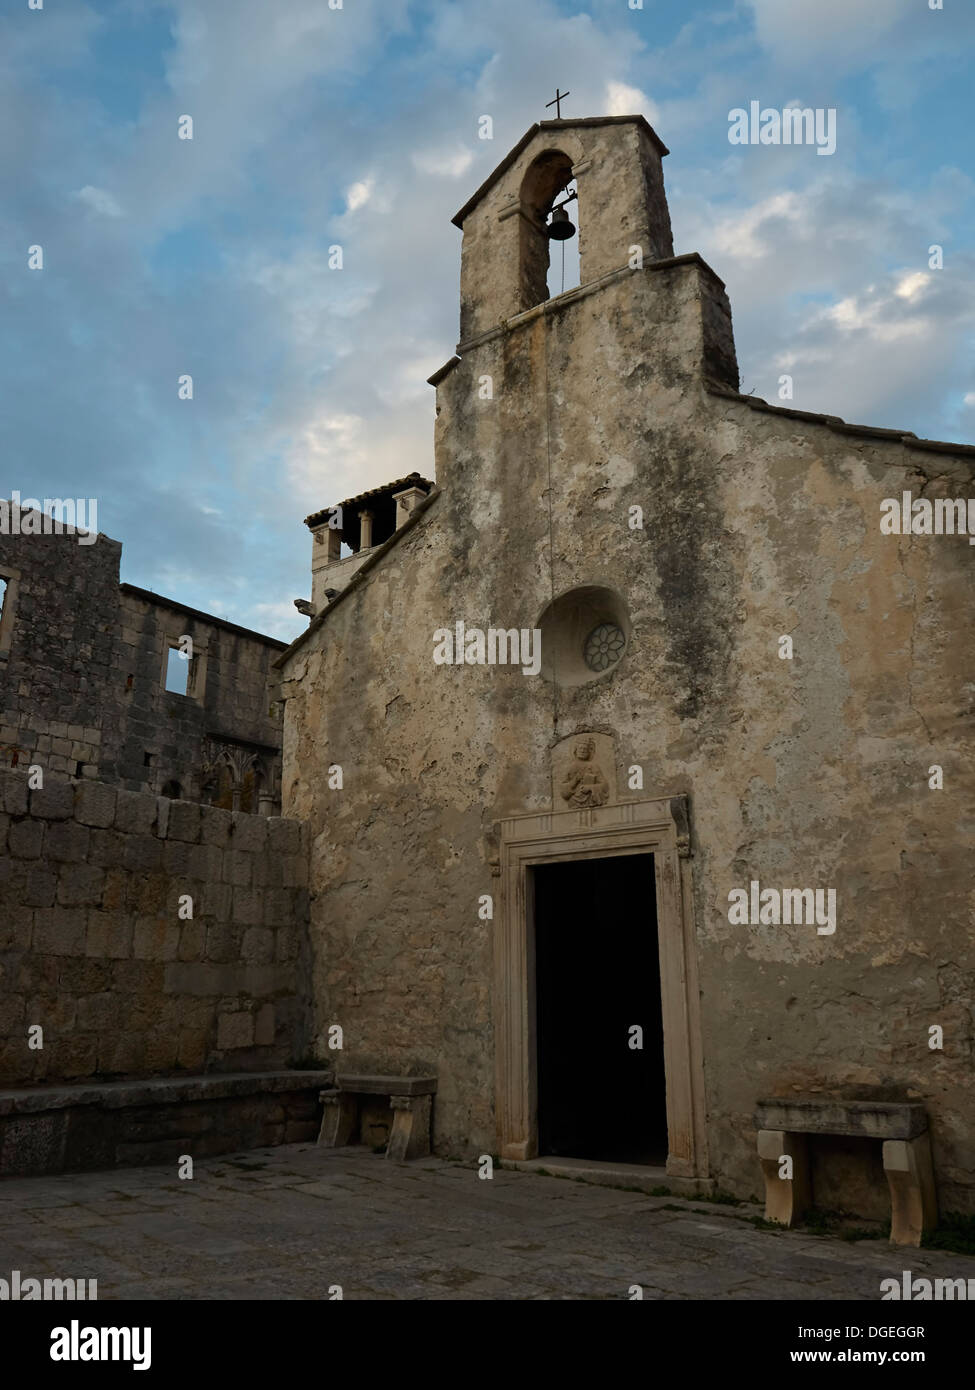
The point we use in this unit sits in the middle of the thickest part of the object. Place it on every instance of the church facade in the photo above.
(636, 758)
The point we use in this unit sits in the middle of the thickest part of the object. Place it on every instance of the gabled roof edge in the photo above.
(512, 155)
(838, 425)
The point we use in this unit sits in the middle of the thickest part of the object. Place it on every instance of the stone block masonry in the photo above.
(85, 689)
(146, 937)
(52, 1129)
(815, 772)
(60, 611)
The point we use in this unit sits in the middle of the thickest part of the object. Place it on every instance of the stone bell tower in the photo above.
(641, 320)
(615, 162)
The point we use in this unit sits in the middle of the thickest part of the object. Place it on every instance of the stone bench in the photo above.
(411, 1101)
(66, 1128)
(902, 1126)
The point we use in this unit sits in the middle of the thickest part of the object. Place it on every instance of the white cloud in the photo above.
(871, 318)
(858, 357)
(794, 27)
(359, 194)
(312, 300)
(326, 440)
(405, 379)
(622, 100)
(330, 457)
(99, 200)
(910, 285)
(278, 618)
(747, 235)
(829, 281)
(450, 163)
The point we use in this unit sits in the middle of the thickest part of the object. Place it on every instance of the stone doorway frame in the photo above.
(660, 828)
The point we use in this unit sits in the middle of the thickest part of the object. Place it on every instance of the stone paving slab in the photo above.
(289, 1222)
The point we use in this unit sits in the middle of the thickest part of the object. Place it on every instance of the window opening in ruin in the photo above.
(172, 790)
(8, 590)
(224, 794)
(79, 769)
(177, 672)
(147, 760)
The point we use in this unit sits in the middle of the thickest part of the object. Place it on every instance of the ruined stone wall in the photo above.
(228, 701)
(82, 686)
(811, 772)
(93, 948)
(55, 678)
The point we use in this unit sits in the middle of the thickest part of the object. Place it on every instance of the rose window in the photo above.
(604, 647)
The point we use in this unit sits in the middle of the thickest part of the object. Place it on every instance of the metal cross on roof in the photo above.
(557, 103)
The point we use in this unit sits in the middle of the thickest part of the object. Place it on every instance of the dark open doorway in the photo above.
(597, 976)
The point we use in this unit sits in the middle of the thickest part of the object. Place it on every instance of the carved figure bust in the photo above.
(584, 785)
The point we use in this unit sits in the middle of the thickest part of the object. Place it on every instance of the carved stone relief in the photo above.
(583, 772)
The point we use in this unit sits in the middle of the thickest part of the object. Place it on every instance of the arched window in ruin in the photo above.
(234, 777)
(223, 793)
(545, 182)
(247, 795)
(262, 795)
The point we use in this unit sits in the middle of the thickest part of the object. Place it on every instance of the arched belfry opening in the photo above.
(603, 174)
(547, 181)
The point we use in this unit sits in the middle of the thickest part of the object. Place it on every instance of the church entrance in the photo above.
(598, 1016)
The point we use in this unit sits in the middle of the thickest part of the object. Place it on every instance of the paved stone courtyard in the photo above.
(287, 1223)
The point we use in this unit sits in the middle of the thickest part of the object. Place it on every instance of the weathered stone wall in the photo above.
(51, 1129)
(82, 687)
(92, 946)
(56, 679)
(618, 166)
(811, 772)
(228, 705)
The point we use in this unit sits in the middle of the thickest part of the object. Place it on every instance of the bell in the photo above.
(560, 228)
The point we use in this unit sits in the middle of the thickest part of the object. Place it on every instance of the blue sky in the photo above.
(358, 127)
